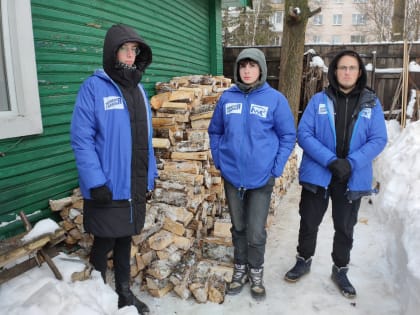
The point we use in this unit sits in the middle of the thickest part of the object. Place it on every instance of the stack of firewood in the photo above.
(185, 245)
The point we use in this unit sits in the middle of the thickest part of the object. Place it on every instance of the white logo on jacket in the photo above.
(259, 110)
(233, 108)
(322, 109)
(366, 113)
(113, 102)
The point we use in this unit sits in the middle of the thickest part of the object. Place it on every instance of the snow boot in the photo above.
(239, 278)
(301, 268)
(339, 277)
(127, 298)
(257, 285)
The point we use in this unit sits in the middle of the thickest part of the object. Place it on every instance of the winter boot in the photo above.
(239, 278)
(339, 277)
(257, 285)
(127, 298)
(301, 268)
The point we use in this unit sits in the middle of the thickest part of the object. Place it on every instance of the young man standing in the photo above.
(341, 132)
(252, 134)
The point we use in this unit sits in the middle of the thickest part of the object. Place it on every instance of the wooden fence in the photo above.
(386, 58)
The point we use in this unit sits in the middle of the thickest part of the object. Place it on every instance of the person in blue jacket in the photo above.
(111, 136)
(252, 135)
(341, 132)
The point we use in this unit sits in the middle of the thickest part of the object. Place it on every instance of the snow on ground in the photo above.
(383, 269)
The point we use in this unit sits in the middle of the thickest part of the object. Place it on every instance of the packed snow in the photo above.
(384, 265)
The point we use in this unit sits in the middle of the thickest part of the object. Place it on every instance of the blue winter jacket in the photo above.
(103, 118)
(251, 135)
(317, 138)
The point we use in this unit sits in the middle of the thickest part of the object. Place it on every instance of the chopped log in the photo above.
(181, 242)
(161, 240)
(157, 100)
(197, 92)
(197, 134)
(192, 145)
(222, 228)
(179, 214)
(210, 99)
(181, 177)
(192, 167)
(174, 227)
(217, 288)
(197, 156)
(162, 121)
(175, 106)
(144, 260)
(202, 123)
(205, 115)
(182, 95)
(176, 198)
(200, 291)
(158, 288)
(161, 143)
(160, 269)
(57, 205)
(219, 249)
(178, 116)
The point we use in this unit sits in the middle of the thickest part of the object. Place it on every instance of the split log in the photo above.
(161, 240)
(158, 288)
(157, 100)
(161, 143)
(197, 156)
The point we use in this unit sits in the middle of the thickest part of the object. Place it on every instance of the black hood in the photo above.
(116, 36)
(332, 77)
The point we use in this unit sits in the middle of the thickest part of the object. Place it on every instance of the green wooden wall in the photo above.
(185, 37)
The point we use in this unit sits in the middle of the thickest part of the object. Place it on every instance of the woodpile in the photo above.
(186, 245)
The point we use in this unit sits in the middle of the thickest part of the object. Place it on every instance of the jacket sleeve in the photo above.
(286, 133)
(375, 141)
(308, 135)
(216, 131)
(82, 136)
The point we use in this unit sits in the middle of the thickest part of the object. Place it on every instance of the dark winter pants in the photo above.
(248, 212)
(312, 208)
(121, 256)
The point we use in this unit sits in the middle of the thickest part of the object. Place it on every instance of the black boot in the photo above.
(239, 278)
(301, 268)
(127, 298)
(257, 284)
(339, 277)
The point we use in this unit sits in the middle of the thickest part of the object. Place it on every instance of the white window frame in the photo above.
(24, 117)
(336, 39)
(358, 19)
(337, 19)
(318, 19)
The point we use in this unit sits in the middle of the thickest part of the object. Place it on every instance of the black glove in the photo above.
(149, 195)
(101, 194)
(341, 169)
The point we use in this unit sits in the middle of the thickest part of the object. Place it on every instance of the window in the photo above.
(336, 39)
(20, 112)
(358, 38)
(359, 1)
(337, 19)
(277, 21)
(358, 19)
(316, 39)
(317, 19)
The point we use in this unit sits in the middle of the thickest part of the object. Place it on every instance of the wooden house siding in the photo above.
(185, 37)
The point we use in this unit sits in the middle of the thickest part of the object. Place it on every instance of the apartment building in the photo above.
(339, 22)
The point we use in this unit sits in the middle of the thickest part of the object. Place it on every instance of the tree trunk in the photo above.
(292, 49)
(398, 18)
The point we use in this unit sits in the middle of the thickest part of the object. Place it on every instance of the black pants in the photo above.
(312, 208)
(121, 256)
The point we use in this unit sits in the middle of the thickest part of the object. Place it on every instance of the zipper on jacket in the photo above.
(131, 210)
(244, 123)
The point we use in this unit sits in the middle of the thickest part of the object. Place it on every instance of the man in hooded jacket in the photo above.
(252, 134)
(111, 136)
(341, 132)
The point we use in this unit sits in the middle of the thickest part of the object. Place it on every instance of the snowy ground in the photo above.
(383, 269)
(315, 293)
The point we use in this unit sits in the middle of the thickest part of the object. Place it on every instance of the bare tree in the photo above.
(292, 49)
(398, 20)
(413, 20)
(379, 15)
